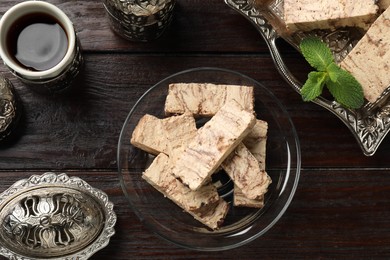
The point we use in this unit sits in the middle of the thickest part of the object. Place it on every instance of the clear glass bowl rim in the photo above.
(295, 174)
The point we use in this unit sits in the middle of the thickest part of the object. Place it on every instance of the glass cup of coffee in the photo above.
(39, 45)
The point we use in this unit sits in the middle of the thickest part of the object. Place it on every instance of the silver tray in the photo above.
(370, 123)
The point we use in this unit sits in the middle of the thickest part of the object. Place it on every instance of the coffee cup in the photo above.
(39, 44)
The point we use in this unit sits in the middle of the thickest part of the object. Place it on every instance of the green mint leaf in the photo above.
(313, 85)
(342, 85)
(316, 52)
(346, 89)
(333, 71)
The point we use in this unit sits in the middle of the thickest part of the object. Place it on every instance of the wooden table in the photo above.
(342, 205)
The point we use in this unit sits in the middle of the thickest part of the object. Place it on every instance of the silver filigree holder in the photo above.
(139, 20)
(10, 110)
(369, 124)
(54, 216)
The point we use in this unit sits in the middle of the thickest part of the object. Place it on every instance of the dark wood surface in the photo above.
(342, 205)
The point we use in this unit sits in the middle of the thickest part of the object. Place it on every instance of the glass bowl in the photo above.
(241, 225)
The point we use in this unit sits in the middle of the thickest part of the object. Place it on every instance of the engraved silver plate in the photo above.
(53, 216)
(369, 124)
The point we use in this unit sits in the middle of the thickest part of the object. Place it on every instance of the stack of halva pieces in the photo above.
(186, 156)
(369, 60)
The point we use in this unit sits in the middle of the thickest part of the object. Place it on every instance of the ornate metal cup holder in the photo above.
(369, 124)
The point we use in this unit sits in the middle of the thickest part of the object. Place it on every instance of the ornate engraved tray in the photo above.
(54, 217)
(369, 124)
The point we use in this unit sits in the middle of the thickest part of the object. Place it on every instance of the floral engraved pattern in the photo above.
(369, 124)
(47, 222)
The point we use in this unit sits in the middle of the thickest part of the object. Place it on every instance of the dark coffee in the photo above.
(37, 41)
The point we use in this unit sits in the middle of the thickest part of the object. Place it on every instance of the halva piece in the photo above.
(240, 200)
(307, 15)
(244, 169)
(205, 99)
(204, 204)
(369, 60)
(216, 216)
(149, 135)
(155, 135)
(213, 143)
(256, 142)
(383, 4)
(179, 131)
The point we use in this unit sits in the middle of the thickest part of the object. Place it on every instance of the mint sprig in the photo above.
(341, 84)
